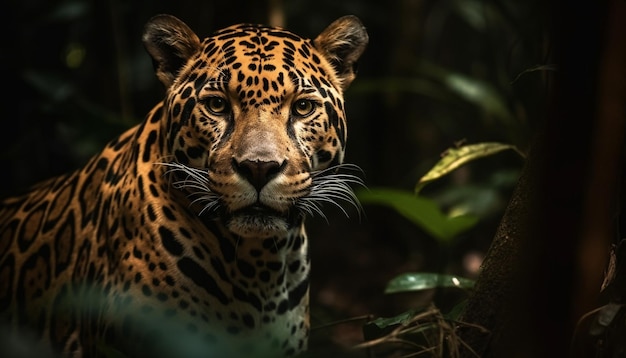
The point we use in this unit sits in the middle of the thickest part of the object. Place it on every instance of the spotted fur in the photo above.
(192, 221)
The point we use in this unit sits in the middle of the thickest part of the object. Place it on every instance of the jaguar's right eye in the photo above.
(303, 108)
(218, 105)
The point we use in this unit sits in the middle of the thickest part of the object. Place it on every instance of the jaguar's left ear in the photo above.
(171, 43)
(342, 43)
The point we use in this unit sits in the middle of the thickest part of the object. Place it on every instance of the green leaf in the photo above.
(402, 318)
(416, 324)
(453, 158)
(456, 311)
(543, 68)
(383, 326)
(70, 11)
(479, 93)
(419, 86)
(421, 211)
(410, 282)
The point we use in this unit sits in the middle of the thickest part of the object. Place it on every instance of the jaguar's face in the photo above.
(253, 117)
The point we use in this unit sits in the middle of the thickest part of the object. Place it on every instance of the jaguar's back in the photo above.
(192, 221)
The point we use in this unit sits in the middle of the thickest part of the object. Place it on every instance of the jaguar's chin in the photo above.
(259, 222)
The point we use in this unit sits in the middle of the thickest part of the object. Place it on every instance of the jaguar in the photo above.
(185, 235)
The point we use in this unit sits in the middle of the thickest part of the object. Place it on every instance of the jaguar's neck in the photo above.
(262, 282)
(278, 266)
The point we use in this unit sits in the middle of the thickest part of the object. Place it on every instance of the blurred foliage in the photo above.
(424, 212)
(421, 211)
(416, 327)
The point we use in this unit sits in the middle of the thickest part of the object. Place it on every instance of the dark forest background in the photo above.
(437, 74)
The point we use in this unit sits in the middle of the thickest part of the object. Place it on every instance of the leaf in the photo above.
(402, 318)
(453, 158)
(543, 68)
(419, 86)
(383, 326)
(410, 282)
(456, 311)
(415, 325)
(52, 85)
(70, 11)
(480, 93)
(421, 211)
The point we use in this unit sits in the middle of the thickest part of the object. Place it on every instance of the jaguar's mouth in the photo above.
(258, 210)
(259, 220)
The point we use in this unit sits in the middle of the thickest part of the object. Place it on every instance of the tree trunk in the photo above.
(544, 269)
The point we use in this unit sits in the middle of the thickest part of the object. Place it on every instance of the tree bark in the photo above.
(544, 269)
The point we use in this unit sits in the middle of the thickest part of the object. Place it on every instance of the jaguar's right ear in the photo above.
(170, 43)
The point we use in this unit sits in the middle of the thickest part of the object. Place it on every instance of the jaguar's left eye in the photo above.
(302, 107)
(217, 105)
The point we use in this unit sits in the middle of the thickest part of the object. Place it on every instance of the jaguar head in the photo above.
(254, 119)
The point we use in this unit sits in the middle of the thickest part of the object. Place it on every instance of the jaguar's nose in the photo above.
(258, 172)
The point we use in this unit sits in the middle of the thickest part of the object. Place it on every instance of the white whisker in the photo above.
(195, 183)
(331, 187)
